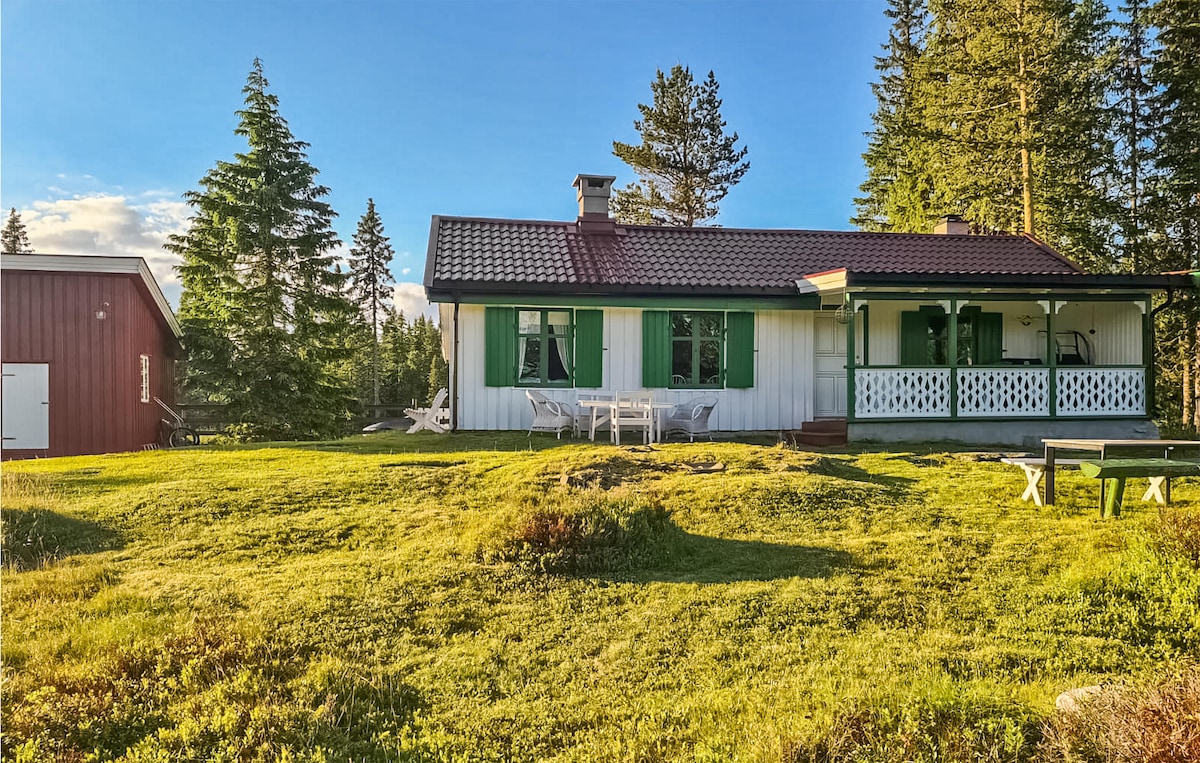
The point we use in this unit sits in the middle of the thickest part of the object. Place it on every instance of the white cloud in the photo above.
(110, 225)
(405, 271)
(410, 299)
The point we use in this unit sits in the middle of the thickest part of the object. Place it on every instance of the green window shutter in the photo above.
(499, 346)
(589, 348)
(656, 348)
(739, 350)
(989, 338)
(914, 330)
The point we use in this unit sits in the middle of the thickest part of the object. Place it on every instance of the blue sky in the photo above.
(109, 111)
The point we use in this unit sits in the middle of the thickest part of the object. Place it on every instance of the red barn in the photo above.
(88, 343)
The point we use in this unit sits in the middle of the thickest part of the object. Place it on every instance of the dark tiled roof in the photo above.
(517, 255)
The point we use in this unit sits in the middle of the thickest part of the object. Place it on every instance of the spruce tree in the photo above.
(13, 239)
(896, 191)
(1176, 196)
(1003, 121)
(686, 163)
(1134, 121)
(262, 307)
(372, 281)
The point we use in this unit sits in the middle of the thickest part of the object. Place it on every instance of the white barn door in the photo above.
(25, 403)
(829, 366)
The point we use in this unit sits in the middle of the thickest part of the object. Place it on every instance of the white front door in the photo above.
(830, 366)
(25, 406)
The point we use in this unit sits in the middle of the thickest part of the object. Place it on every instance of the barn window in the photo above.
(145, 378)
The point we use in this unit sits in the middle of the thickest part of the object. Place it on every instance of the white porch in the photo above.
(987, 358)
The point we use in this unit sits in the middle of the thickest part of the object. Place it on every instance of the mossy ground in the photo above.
(338, 601)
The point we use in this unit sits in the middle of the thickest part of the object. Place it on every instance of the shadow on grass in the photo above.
(704, 559)
(36, 537)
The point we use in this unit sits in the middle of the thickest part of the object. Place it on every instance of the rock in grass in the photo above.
(1071, 700)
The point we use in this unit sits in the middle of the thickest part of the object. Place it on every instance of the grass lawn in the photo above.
(492, 597)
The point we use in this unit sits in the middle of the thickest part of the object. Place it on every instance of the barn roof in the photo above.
(89, 263)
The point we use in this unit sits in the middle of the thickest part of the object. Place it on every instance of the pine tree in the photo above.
(686, 163)
(13, 239)
(262, 307)
(370, 258)
(896, 191)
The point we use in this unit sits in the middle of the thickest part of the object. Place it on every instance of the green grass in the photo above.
(491, 597)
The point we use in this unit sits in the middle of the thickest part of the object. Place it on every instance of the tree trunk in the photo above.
(1191, 367)
(1023, 127)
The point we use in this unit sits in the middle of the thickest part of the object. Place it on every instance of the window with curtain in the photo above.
(145, 387)
(697, 349)
(544, 344)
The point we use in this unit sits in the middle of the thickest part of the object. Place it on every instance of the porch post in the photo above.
(1052, 356)
(850, 358)
(1148, 357)
(952, 352)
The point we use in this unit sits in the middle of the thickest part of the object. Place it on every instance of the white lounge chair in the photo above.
(690, 418)
(550, 415)
(435, 418)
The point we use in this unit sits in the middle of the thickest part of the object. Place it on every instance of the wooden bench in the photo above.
(1114, 472)
(1035, 468)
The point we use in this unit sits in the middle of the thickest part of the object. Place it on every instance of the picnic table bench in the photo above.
(1035, 468)
(1115, 471)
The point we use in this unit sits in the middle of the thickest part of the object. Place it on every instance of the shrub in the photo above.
(579, 533)
(925, 727)
(1177, 534)
(1158, 721)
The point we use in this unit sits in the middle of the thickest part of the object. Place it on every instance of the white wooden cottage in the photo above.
(904, 336)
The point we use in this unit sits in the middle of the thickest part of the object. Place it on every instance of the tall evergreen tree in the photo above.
(1176, 74)
(262, 305)
(1134, 121)
(686, 163)
(1003, 122)
(13, 239)
(896, 191)
(370, 258)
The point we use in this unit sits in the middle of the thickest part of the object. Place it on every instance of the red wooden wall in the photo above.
(95, 365)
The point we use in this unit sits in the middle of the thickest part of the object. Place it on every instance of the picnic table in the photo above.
(1104, 447)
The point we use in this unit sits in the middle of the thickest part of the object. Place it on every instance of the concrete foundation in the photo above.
(1022, 434)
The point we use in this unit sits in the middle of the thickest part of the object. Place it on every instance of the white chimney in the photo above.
(592, 192)
(952, 225)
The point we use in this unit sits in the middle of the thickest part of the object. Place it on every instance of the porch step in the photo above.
(821, 433)
(825, 425)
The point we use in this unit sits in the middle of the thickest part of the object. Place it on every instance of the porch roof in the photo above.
(838, 280)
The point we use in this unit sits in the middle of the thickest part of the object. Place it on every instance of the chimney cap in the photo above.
(594, 185)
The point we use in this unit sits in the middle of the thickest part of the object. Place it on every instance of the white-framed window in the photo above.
(145, 378)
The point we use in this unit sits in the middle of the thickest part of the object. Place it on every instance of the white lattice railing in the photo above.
(881, 393)
(1101, 392)
(1003, 392)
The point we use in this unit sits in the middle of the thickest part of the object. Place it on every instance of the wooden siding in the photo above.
(780, 399)
(95, 365)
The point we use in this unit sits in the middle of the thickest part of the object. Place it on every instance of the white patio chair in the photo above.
(590, 418)
(690, 418)
(550, 415)
(633, 410)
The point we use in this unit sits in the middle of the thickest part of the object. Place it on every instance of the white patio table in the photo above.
(603, 410)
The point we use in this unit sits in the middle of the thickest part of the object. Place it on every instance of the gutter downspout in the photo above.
(1151, 408)
(454, 375)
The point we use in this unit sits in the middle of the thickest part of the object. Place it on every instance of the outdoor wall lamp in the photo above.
(102, 311)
